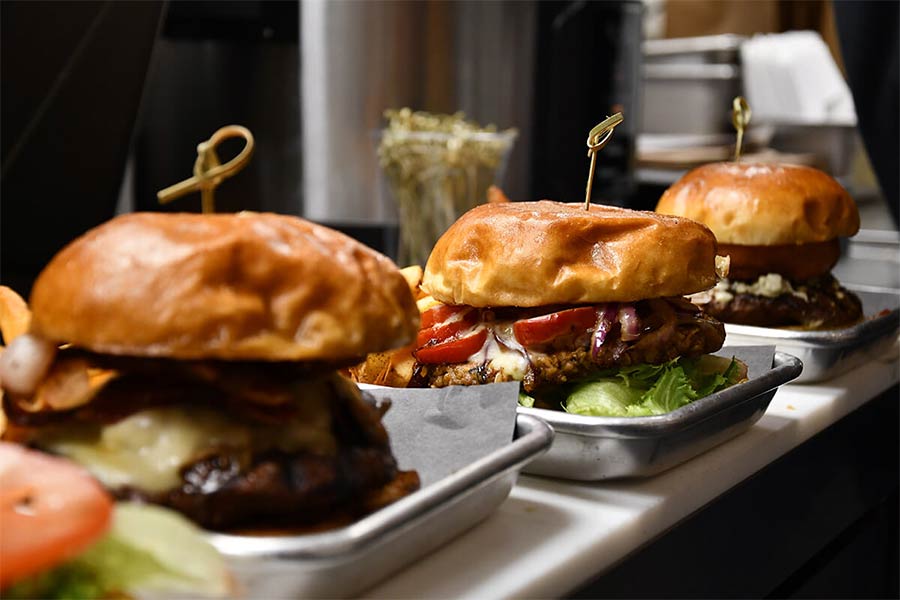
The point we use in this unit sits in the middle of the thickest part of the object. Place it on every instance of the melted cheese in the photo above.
(507, 361)
(506, 355)
(148, 449)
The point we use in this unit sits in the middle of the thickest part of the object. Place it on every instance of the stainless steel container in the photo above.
(689, 84)
(346, 561)
(689, 98)
(827, 354)
(833, 145)
(597, 448)
(700, 50)
(871, 261)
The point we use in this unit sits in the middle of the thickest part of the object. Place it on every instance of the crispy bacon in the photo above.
(107, 388)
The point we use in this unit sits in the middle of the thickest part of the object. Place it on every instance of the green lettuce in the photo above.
(147, 549)
(602, 398)
(525, 399)
(645, 390)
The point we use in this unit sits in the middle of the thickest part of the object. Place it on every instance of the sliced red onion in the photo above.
(25, 362)
(480, 356)
(631, 324)
(505, 337)
(605, 320)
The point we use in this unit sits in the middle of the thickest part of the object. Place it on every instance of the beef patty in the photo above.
(280, 490)
(827, 306)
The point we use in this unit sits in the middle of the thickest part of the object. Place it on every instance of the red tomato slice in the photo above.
(454, 350)
(439, 313)
(50, 510)
(442, 330)
(540, 330)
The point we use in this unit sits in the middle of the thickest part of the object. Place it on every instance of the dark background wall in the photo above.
(72, 78)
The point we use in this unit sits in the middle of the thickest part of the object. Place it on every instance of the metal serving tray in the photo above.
(596, 448)
(707, 49)
(346, 561)
(688, 98)
(826, 354)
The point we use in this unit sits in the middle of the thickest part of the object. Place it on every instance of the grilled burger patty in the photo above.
(819, 303)
(671, 327)
(286, 450)
(278, 489)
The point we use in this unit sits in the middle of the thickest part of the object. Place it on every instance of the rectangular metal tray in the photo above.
(596, 448)
(688, 99)
(827, 354)
(346, 561)
(707, 49)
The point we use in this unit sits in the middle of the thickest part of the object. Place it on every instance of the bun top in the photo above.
(246, 286)
(541, 253)
(763, 205)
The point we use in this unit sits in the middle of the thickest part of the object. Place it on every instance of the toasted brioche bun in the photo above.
(540, 253)
(763, 205)
(248, 286)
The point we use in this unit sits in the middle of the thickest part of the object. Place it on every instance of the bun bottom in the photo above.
(797, 262)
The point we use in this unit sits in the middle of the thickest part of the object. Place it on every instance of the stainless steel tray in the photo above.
(826, 354)
(595, 448)
(688, 98)
(346, 561)
(707, 49)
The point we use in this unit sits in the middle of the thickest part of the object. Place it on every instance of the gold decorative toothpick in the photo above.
(740, 118)
(597, 139)
(208, 172)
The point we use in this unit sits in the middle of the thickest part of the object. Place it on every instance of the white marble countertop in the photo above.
(550, 536)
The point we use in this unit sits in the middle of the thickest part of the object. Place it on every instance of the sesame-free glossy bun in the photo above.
(762, 204)
(246, 286)
(541, 253)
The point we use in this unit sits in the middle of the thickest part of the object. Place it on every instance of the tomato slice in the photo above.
(441, 330)
(542, 329)
(453, 350)
(50, 509)
(439, 313)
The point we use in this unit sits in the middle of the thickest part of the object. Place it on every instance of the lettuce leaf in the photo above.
(70, 581)
(707, 375)
(525, 400)
(645, 390)
(147, 549)
(672, 390)
(602, 398)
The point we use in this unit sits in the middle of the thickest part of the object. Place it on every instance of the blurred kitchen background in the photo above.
(104, 102)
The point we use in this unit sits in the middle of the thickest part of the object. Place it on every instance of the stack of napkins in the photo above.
(792, 78)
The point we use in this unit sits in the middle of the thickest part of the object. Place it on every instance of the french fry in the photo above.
(394, 368)
(495, 194)
(413, 276)
(400, 369)
(14, 315)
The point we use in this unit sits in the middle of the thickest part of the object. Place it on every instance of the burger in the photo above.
(192, 361)
(780, 225)
(585, 308)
